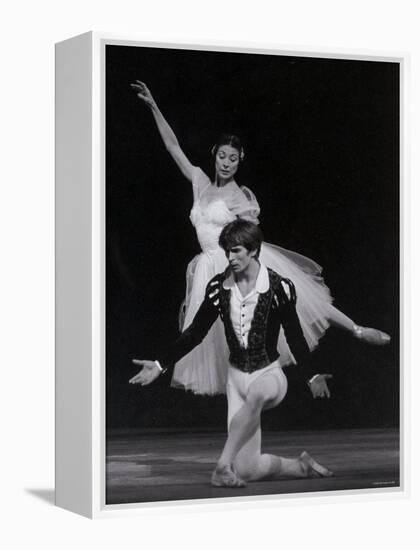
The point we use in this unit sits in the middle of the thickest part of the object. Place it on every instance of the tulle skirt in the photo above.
(204, 369)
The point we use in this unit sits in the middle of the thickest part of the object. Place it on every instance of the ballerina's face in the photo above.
(227, 162)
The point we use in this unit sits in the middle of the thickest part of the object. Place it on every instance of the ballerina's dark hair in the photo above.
(241, 233)
(229, 139)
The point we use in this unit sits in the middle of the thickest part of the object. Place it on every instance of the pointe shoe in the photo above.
(226, 476)
(314, 468)
(371, 335)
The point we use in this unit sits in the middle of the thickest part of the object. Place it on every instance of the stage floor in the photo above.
(148, 466)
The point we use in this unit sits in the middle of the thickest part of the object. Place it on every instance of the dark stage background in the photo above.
(322, 146)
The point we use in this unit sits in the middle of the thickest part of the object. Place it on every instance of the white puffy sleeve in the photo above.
(245, 205)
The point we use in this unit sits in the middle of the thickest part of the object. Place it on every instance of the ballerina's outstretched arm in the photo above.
(167, 134)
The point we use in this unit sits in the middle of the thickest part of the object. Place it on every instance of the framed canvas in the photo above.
(159, 148)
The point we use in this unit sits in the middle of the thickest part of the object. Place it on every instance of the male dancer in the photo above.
(254, 303)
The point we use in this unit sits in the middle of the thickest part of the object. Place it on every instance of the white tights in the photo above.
(244, 447)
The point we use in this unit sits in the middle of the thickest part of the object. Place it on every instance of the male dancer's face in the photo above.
(240, 258)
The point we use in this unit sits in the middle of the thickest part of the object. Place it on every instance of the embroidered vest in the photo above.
(265, 325)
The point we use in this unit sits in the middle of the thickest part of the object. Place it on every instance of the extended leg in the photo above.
(366, 334)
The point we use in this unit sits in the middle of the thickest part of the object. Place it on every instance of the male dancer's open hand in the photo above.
(148, 373)
(319, 386)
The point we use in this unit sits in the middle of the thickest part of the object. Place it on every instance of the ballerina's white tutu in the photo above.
(204, 369)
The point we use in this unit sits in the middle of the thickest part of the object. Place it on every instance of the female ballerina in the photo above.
(216, 204)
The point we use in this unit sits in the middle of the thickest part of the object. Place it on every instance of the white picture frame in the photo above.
(81, 277)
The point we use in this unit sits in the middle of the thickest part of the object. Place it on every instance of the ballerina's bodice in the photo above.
(209, 215)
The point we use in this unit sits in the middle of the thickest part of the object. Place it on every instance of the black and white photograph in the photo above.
(172, 171)
(252, 274)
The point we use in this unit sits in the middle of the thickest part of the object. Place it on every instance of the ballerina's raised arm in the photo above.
(167, 134)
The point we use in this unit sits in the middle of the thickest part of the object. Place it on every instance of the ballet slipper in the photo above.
(225, 476)
(313, 468)
(371, 335)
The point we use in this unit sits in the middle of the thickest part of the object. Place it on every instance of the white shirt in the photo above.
(242, 307)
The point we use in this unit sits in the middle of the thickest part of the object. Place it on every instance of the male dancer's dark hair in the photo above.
(241, 233)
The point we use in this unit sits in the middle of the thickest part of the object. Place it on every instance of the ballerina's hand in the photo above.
(147, 374)
(143, 92)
